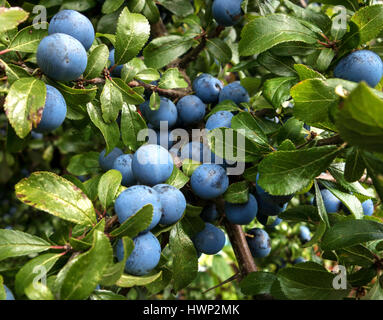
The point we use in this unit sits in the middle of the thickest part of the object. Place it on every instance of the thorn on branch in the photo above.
(232, 278)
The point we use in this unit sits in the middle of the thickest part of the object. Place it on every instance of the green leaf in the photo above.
(226, 105)
(151, 11)
(11, 18)
(287, 145)
(251, 84)
(313, 99)
(277, 90)
(51, 193)
(237, 192)
(302, 213)
(286, 172)
(172, 79)
(110, 6)
(257, 283)
(354, 165)
(161, 51)
(108, 187)
(75, 97)
(14, 72)
(148, 75)
(155, 101)
(322, 213)
(193, 211)
(280, 66)
(91, 187)
(111, 102)
(133, 31)
(128, 94)
(220, 268)
(106, 295)
(24, 104)
(266, 32)
(97, 61)
(78, 5)
(374, 169)
(356, 255)
(369, 21)
(362, 277)
(376, 292)
(348, 233)
(128, 281)
(319, 232)
(305, 72)
(84, 164)
(337, 170)
(131, 69)
(110, 131)
(115, 270)
(324, 59)
(219, 49)
(360, 120)
(161, 283)
(81, 275)
(293, 48)
(180, 8)
(2, 289)
(39, 265)
(185, 261)
(131, 124)
(291, 130)
(16, 243)
(309, 281)
(136, 223)
(136, 5)
(39, 291)
(110, 37)
(28, 39)
(177, 179)
(318, 19)
(240, 149)
(352, 5)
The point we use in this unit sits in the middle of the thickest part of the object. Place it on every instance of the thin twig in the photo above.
(334, 140)
(232, 278)
(171, 93)
(193, 54)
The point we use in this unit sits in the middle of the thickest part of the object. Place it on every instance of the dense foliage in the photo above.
(297, 84)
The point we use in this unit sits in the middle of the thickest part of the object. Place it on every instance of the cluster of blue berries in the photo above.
(62, 56)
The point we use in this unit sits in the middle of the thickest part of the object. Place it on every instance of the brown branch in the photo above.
(238, 241)
(158, 29)
(24, 66)
(110, 222)
(241, 249)
(262, 112)
(193, 54)
(171, 93)
(334, 140)
(328, 177)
